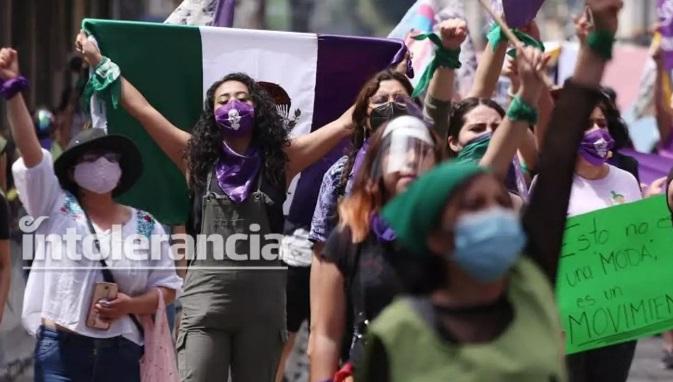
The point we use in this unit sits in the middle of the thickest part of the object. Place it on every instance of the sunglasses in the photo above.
(384, 98)
(600, 122)
(93, 156)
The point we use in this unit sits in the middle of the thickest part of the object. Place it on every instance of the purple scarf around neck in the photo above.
(236, 173)
(381, 229)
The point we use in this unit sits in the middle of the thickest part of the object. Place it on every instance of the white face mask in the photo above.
(100, 176)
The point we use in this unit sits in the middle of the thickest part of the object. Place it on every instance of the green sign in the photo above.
(615, 279)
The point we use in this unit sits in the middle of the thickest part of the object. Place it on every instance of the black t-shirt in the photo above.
(373, 273)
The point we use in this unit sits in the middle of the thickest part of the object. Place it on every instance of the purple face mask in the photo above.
(595, 147)
(236, 118)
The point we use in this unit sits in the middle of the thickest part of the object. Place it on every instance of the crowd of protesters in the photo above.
(433, 250)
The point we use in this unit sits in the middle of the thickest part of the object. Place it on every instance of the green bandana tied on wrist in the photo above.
(448, 58)
(104, 82)
(496, 36)
(519, 110)
(601, 42)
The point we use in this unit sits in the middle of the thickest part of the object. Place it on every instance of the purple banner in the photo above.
(344, 65)
(650, 166)
(518, 13)
(665, 15)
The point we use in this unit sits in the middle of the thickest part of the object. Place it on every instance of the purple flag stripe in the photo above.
(518, 13)
(650, 166)
(344, 65)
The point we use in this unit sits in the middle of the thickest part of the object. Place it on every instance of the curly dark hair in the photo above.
(269, 134)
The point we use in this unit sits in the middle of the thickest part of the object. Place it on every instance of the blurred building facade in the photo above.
(43, 31)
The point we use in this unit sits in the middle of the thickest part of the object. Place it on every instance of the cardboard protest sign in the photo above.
(518, 13)
(615, 279)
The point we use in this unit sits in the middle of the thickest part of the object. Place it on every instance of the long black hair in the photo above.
(269, 135)
(617, 127)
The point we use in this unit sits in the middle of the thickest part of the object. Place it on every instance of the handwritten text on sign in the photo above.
(615, 279)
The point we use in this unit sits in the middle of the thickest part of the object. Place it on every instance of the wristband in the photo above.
(520, 110)
(601, 42)
(448, 58)
(104, 81)
(12, 87)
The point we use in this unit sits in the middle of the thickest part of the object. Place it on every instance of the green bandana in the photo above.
(448, 58)
(105, 82)
(415, 212)
(475, 150)
(496, 36)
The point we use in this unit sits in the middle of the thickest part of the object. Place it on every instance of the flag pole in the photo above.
(224, 13)
(512, 37)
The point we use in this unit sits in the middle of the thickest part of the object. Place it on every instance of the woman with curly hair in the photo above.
(239, 162)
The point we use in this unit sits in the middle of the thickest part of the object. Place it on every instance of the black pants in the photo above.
(298, 297)
(608, 364)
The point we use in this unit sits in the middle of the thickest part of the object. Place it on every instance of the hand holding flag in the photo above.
(531, 63)
(88, 49)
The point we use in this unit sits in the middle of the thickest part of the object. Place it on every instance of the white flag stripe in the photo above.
(286, 59)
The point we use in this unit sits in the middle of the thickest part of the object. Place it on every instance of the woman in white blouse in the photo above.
(63, 198)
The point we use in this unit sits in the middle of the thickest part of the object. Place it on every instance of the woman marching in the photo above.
(597, 184)
(239, 162)
(80, 338)
(480, 311)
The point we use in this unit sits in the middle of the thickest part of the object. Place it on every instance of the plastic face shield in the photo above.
(407, 148)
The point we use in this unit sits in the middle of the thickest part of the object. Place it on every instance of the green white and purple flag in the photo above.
(317, 77)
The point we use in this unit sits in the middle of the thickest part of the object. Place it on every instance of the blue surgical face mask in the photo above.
(488, 243)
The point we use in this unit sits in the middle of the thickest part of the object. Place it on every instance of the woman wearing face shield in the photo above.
(74, 195)
(385, 96)
(356, 280)
(239, 161)
(482, 304)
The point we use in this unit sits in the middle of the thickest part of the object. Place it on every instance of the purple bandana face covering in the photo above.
(236, 118)
(596, 146)
(236, 173)
(381, 229)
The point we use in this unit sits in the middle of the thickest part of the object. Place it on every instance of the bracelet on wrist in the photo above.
(12, 87)
(601, 42)
(520, 110)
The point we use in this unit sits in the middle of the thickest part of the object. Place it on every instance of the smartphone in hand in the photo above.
(102, 291)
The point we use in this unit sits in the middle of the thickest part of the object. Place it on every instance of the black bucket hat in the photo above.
(98, 140)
